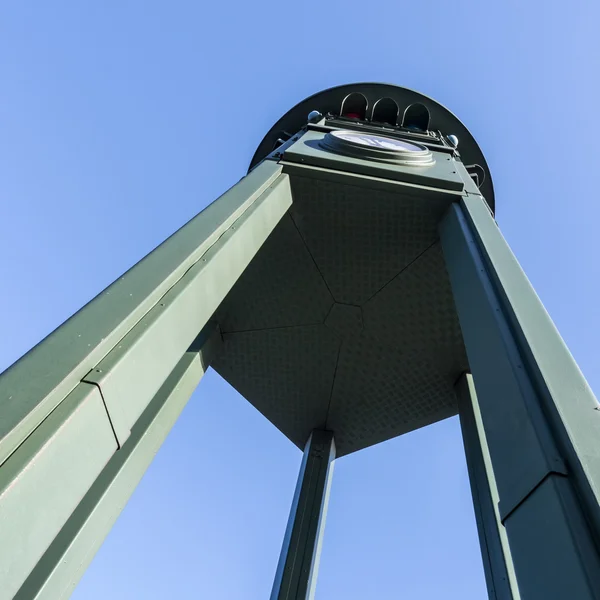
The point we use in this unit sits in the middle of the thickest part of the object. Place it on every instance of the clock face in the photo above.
(375, 147)
(376, 141)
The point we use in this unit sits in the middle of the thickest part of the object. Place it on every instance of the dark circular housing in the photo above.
(332, 100)
(377, 147)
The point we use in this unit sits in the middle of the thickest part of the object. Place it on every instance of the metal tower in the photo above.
(353, 286)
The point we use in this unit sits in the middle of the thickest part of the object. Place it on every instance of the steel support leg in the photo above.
(495, 551)
(82, 413)
(296, 576)
(63, 564)
(539, 415)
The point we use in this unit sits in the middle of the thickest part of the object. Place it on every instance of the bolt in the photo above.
(314, 116)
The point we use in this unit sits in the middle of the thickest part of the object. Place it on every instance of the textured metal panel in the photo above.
(287, 374)
(281, 288)
(346, 320)
(376, 252)
(380, 392)
(415, 310)
(44, 480)
(359, 238)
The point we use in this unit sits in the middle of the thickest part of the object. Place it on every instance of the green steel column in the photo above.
(539, 415)
(192, 270)
(69, 406)
(495, 551)
(296, 576)
(61, 567)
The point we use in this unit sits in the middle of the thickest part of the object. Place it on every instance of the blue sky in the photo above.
(121, 120)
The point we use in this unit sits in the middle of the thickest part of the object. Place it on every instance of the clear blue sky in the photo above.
(119, 120)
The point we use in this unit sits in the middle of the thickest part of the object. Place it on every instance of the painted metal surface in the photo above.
(64, 562)
(554, 550)
(342, 313)
(508, 400)
(33, 386)
(330, 101)
(312, 149)
(351, 256)
(296, 575)
(129, 375)
(44, 480)
(150, 316)
(568, 403)
(493, 540)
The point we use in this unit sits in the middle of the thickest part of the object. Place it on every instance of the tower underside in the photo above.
(345, 320)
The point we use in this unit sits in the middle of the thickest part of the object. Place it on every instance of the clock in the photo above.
(377, 147)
